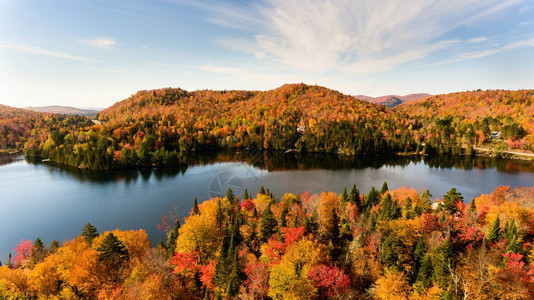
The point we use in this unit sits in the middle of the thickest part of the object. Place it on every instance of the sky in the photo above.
(95, 53)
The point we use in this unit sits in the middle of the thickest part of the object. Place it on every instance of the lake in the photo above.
(54, 203)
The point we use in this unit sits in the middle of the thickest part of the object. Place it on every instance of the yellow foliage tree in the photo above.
(393, 285)
(289, 278)
(200, 232)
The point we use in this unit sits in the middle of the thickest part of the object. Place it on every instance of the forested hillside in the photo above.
(18, 126)
(159, 127)
(455, 120)
(382, 245)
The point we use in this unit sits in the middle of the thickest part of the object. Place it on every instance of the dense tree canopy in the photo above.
(397, 247)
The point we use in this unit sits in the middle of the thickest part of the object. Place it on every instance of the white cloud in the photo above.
(102, 43)
(41, 51)
(488, 52)
(354, 37)
(477, 40)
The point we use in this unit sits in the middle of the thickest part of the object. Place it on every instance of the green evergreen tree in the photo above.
(426, 199)
(89, 232)
(172, 236)
(372, 198)
(245, 195)
(9, 262)
(310, 224)
(408, 208)
(388, 252)
(161, 245)
(221, 267)
(384, 188)
(444, 260)
(112, 251)
(54, 246)
(450, 199)
(419, 254)
(196, 210)
(354, 197)
(344, 196)
(424, 276)
(235, 278)
(230, 196)
(220, 215)
(38, 252)
(267, 223)
(495, 232)
(262, 190)
(283, 215)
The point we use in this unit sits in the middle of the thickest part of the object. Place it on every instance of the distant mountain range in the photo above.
(68, 110)
(392, 100)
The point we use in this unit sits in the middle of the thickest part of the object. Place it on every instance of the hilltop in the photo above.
(474, 115)
(392, 100)
(160, 127)
(68, 110)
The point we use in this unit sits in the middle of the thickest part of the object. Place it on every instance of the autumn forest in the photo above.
(380, 243)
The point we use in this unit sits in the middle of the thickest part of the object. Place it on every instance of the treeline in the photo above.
(18, 126)
(454, 123)
(386, 244)
(162, 127)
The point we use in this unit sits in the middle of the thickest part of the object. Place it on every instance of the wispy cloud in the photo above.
(529, 42)
(22, 48)
(102, 43)
(354, 37)
(477, 40)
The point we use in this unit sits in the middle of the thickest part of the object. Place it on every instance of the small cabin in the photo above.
(495, 134)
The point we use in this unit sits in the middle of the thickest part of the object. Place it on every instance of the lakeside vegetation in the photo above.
(381, 245)
(161, 127)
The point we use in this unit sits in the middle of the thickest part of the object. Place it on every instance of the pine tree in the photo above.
(38, 253)
(419, 253)
(384, 188)
(112, 251)
(245, 195)
(161, 245)
(172, 236)
(444, 260)
(372, 198)
(495, 232)
(267, 223)
(408, 208)
(9, 262)
(344, 196)
(221, 267)
(310, 224)
(426, 205)
(220, 215)
(89, 232)
(196, 210)
(54, 246)
(230, 196)
(283, 216)
(354, 197)
(262, 190)
(450, 199)
(424, 276)
(235, 277)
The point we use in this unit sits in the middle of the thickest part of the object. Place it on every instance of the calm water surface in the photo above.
(53, 203)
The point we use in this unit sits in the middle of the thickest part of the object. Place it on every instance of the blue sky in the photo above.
(94, 53)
